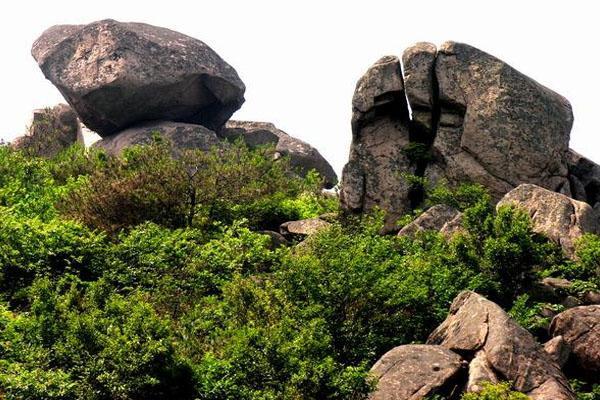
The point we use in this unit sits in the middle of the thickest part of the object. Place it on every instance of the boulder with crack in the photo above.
(555, 215)
(480, 330)
(416, 371)
(117, 74)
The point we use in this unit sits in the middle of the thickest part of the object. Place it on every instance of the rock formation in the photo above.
(415, 371)
(117, 74)
(303, 156)
(579, 327)
(51, 130)
(555, 215)
(473, 119)
(500, 349)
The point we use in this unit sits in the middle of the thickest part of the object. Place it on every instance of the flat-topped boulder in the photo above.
(117, 74)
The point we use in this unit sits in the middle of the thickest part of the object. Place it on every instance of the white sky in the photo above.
(300, 60)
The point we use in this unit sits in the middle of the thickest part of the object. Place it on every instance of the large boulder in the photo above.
(416, 371)
(580, 330)
(303, 156)
(51, 131)
(480, 330)
(117, 74)
(374, 176)
(497, 126)
(181, 136)
(555, 215)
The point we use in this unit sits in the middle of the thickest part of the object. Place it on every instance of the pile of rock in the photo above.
(473, 118)
(127, 81)
(478, 342)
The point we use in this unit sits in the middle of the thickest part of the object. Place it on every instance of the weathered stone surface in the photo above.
(303, 227)
(557, 216)
(584, 176)
(302, 156)
(480, 371)
(476, 324)
(497, 127)
(182, 136)
(434, 219)
(418, 63)
(558, 349)
(118, 74)
(413, 372)
(580, 329)
(375, 173)
(52, 130)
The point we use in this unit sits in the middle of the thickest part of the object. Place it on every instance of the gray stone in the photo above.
(416, 371)
(476, 324)
(302, 156)
(304, 227)
(560, 218)
(418, 62)
(580, 329)
(584, 176)
(118, 74)
(182, 136)
(434, 219)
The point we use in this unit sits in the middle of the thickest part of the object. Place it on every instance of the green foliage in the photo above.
(500, 391)
(585, 391)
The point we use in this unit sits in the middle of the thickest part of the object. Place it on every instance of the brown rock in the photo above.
(557, 216)
(476, 324)
(52, 130)
(304, 227)
(375, 174)
(302, 156)
(182, 136)
(418, 62)
(415, 371)
(558, 349)
(497, 127)
(480, 372)
(118, 74)
(580, 329)
(434, 219)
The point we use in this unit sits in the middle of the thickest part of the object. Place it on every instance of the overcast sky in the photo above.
(300, 60)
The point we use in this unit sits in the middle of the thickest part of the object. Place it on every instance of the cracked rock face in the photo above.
(562, 219)
(580, 330)
(501, 350)
(374, 175)
(302, 155)
(182, 136)
(415, 371)
(478, 119)
(118, 74)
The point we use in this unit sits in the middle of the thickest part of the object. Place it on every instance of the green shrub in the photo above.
(500, 391)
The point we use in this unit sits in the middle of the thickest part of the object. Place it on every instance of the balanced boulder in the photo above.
(51, 131)
(416, 371)
(480, 330)
(579, 327)
(181, 136)
(303, 157)
(555, 215)
(118, 74)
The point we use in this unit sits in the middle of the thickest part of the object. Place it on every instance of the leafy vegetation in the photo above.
(148, 277)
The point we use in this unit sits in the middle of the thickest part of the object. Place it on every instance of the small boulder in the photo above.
(117, 74)
(302, 156)
(580, 329)
(304, 227)
(555, 215)
(476, 325)
(434, 219)
(51, 131)
(182, 136)
(416, 371)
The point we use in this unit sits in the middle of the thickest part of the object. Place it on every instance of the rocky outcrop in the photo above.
(555, 215)
(118, 74)
(437, 218)
(51, 131)
(579, 327)
(181, 136)
(473, 118)
(375, 173)
(303, 157)
(480, 330)
(416, 371)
